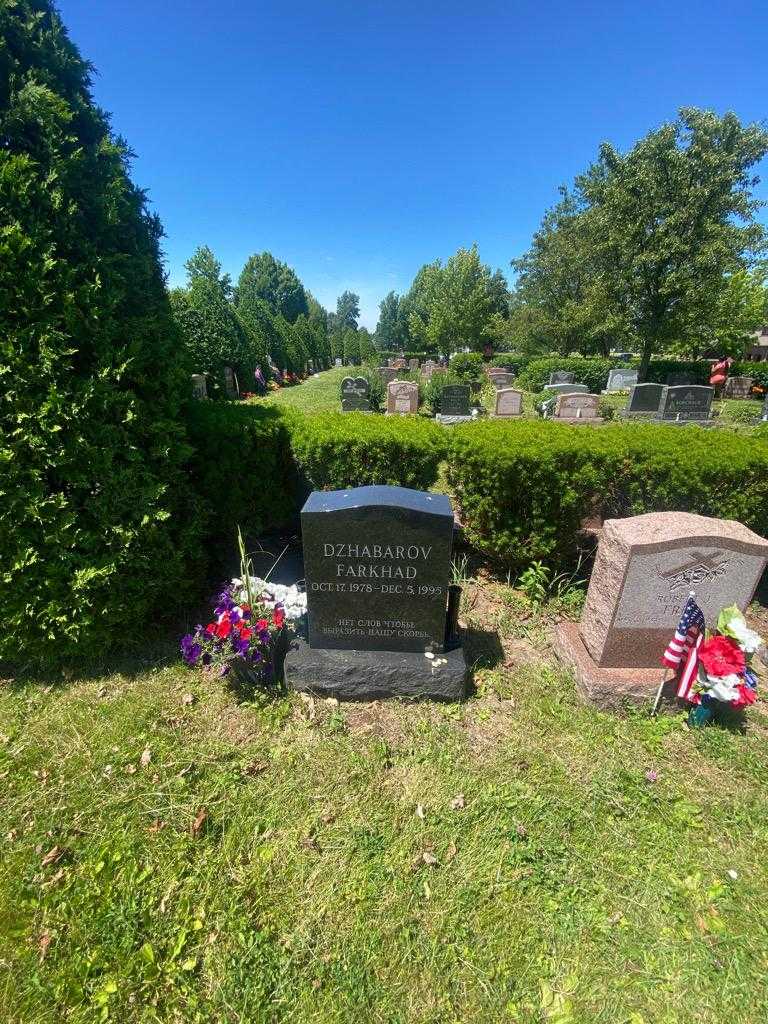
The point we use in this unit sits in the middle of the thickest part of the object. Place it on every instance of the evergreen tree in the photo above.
(97, 526)
(264, 277)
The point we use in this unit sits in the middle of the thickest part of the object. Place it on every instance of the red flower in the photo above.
(746, 696)
(261, 625)
(722, 656)
(246, 634)
(278, 617)
(210, 629)
(224, 628)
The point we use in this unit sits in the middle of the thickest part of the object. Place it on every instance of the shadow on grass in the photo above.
(482, 649)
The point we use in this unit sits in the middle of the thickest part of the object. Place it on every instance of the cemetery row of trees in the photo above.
(656, 250)
(267, 320)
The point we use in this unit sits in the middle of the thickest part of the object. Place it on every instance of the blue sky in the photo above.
(358, 140)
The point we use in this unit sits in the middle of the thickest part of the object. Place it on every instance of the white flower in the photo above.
(723, 687)
(747, 639)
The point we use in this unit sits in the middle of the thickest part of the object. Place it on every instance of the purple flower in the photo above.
(191, 648)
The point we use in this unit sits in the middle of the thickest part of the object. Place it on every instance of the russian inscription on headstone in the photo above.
(377, 562)
(686, 403)
(355, 395)
(509, 402)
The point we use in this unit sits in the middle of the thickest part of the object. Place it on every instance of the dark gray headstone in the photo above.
(646, 398)
(562, 377)
(377, 562)
(355, 395)
(676, 379)
(687, 402)
(502, 380)
(454, 400)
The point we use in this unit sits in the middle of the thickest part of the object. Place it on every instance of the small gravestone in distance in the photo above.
(646, 566)
(230, 383)
(676, 379)
(645, 400)
(454, 404)
(503, 379)
(402, 398)
(400, 363)
(387, 373)
(428, 368)
(199, 388)
(337, 362)
(377, 562)
(621, 380)
(413, 365)
(566, 389)
(355, 395)
(738, 387)
(509, 402)
(687, 404)
(577, 409)
(562, 377)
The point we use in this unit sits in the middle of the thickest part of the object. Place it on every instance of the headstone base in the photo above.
(608, 688)
(373, 675)
(453, 419)
(577, 420)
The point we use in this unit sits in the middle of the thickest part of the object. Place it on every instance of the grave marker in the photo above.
(377, 562)
(687, 403)
(577, 408)
(646, 567)
(355, 395)
(199, 387)
(621, 380)
(566, 389)
(645, 400)
(454, 403)
(738, 387)
(509, 402)
(402, 398)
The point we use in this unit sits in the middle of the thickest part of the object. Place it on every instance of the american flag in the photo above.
(684, 647)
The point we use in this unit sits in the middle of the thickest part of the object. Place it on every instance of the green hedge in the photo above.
(242, 469)
(592, 372)
(514, 361)
(336, 450)
(525, 488)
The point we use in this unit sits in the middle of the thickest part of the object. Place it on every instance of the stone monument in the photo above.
(738, 387)
(377, 563)
(645, 569)
(402, 398)
(562, 377)
(645, 401)
(566, 389)
(388, 373)
(199, 388)
(231, 389)
(577, 409)
(454, 404)
(620, 380)
(355, 395)
(687, 403)
(509, 402)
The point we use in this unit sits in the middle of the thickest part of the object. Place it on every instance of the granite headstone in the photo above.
(355, 395)
(402, 398)
(562, 377)
(646, 399)
(687, 403)
(509, 402)
(738, 387)
(621, 380)
(454, 400)
(199, 388)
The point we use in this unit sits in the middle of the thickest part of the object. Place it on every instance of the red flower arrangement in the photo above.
(722, 656)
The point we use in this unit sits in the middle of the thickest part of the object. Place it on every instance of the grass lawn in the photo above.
(172, 854)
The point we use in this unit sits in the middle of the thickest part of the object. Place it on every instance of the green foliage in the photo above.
(237, 448)
(592, 372)
(347, 311)
(98, 529)
(213, 334)
(263, 277)
(468, 367)
(514, 361)
(392, 328)
(378, 388)
(743, 411)
(431, 390)
(336, 450)
(526, 488)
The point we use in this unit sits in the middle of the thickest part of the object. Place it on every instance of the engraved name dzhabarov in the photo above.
(700, 568)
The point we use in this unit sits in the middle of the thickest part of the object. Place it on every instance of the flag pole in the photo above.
(655, 709)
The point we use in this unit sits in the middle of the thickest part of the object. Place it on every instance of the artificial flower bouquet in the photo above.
(725, 676)
(250, 620)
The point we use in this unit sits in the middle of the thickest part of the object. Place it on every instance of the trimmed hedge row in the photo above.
(526, 488)
(336, 450)
(242, 468)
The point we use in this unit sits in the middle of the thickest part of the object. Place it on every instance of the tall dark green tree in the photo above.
(347, 311)
(97, 526)
(390, 333)
(214, 335)
(264, 277)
